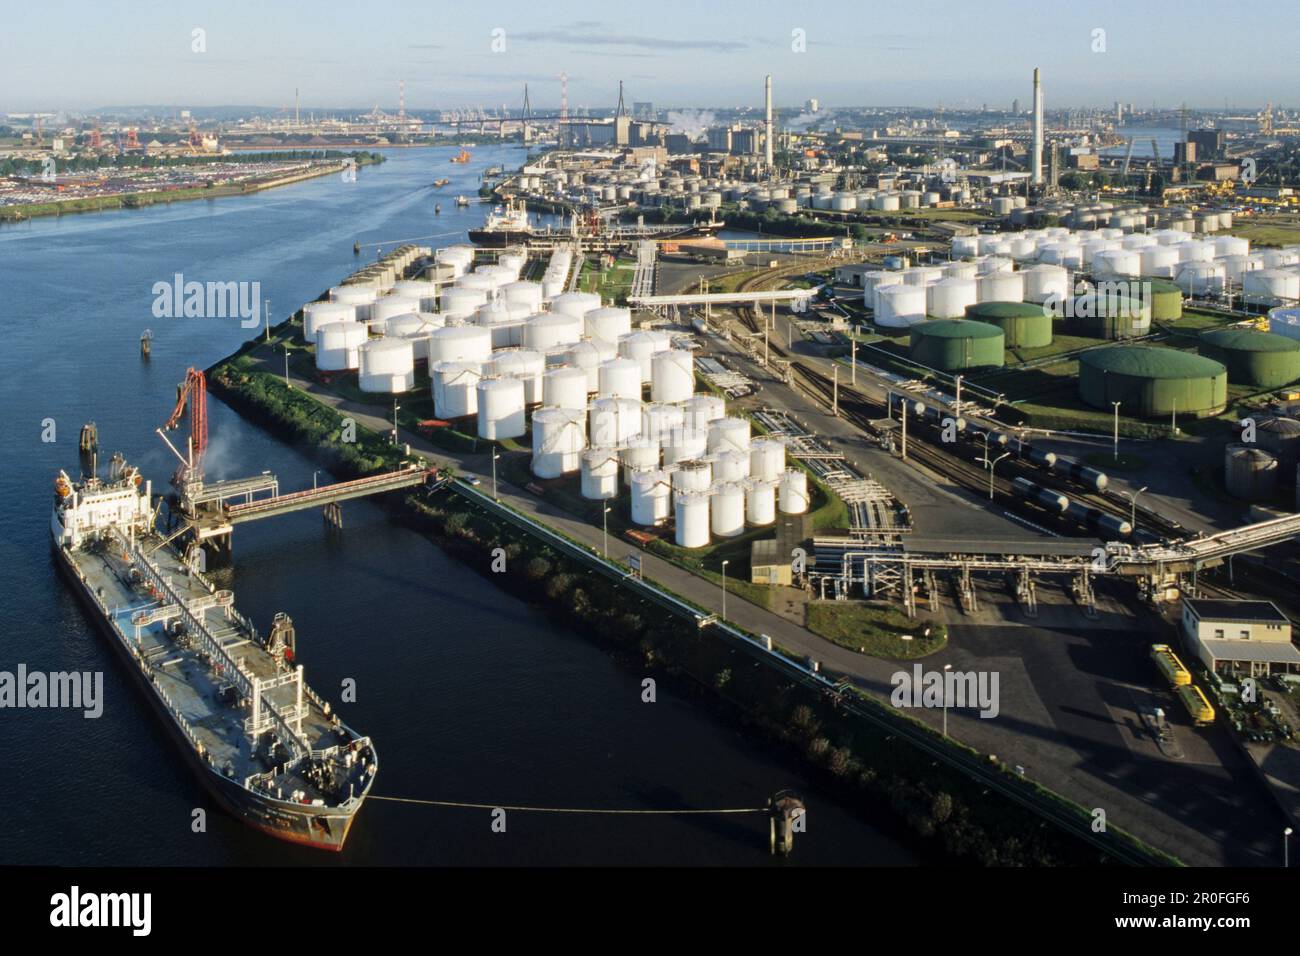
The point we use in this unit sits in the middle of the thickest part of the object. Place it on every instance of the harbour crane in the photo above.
(192, 393)
(1128, 156)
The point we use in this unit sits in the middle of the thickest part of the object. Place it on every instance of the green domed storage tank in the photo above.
(1253, 358)
(1108, 314)
(952, 345)
(1166, 301)
(1152, 382)
(1024, 325)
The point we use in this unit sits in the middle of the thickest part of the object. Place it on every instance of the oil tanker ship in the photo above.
(268, 749)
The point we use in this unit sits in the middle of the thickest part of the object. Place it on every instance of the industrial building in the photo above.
(1149, 382)
(1262, 359)
(1246, 637)
(954, 345)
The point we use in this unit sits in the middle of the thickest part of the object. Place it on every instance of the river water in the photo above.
(469, 694)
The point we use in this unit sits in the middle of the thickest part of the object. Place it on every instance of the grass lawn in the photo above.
(878, 630)
(612, 284)
(1108, 462)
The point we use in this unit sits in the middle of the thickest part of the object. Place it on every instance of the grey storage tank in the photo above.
(1249, 473)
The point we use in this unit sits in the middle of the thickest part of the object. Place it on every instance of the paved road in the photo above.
(1055, 761)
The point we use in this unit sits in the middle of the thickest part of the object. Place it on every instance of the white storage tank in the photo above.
(766, 458)
(899, 306)
(964, 246)
(1270, 287)
(693, 475)
(613, 422)
(672, 375)
(558, 441)
(692, 513)
(760, 501)
(1160, 261)
(651, 494)
(454, 386)
(386, 365)
(460, 343)
(548, 329)
(639, 454)
(792, 492)
(1001, 287)
(1046, 281)
(948, 298)
(316, 314)
(391, 306)
(461, 303)
(727, 509)
(576, 304)
(991, 264)
(1202, 278)
(1230, 246)
(599, 474)
(565, 387)
(360, 297)
(524, 364)
(703, 409)
(961, 270)
(1238, 266)
(640, 347)
(501, 408)
(730, 465)
(587, 356)
(337, 344)
(729, 433)
(607, 323)
(922, 275)
(685, 443)
(619, 378)
(659, 420)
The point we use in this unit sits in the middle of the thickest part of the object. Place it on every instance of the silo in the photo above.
(599, 468)
(1261, 359)
(685, 443)
(693, 475)
(386, 365)
(501, 408)
(1280, 437)
(692, 513)
(1001, 287)
(651, 491)
(565, 387)
(760, 501)
(612, 422)
(337, 344)
(608, 323)
(948, 298)
(703, 409)
(672, 375)
(1023, 325)
(1249, 473)
(952, 345)
(526, 365)
(766, 458)
(558, 441)
(316, 314)
(638, 454)
(729, 433)
(1152, 382)
(659, 421)
(792, 492)
(619, 378)
(727, 509)
(454, 386)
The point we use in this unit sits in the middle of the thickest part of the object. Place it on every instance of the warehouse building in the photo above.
(1240, 637)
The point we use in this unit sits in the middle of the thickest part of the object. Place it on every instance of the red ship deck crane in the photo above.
(192, 393)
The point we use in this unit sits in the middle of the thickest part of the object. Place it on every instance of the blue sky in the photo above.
(79, 54)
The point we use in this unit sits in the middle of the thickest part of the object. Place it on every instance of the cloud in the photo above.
(585, 35)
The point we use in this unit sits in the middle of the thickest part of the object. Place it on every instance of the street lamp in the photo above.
(1116, 406)
(1286, 848)
(724, 589)
(991, 463)
(1132, 497)
(946, 669)
(604, 529)
(313, 479)
(395, 410)
(495, 456)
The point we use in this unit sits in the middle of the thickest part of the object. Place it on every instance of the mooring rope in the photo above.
(628, 812)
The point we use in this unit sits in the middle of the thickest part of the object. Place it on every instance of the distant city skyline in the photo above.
(78, 55)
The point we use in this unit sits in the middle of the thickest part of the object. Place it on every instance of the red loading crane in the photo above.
(193, 392)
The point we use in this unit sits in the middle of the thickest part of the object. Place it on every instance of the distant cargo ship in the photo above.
(508, 225)
(267, 748)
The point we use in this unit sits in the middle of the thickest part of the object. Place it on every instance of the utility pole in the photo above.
(904, 429)
(266, 317)
(853, 347)
(835, 390)
(1115, 439)
(495, 456)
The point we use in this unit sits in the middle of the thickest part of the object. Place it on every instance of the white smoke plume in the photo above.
(692, 123)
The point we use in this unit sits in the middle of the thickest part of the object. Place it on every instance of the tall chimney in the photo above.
(1037, 158)
(767, 101)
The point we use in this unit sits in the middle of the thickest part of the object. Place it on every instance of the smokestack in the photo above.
(767, 101)
(1037, 158)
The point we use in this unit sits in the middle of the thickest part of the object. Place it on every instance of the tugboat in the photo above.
(462, 201)
(462, 157)
(439, 183)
